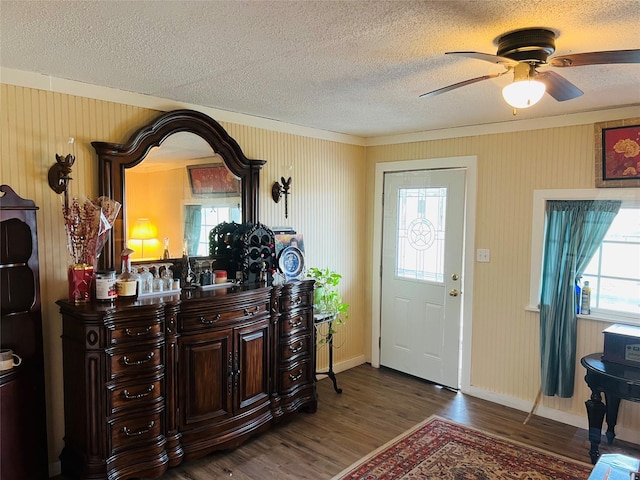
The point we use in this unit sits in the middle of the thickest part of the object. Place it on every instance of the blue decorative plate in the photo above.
(291, 262)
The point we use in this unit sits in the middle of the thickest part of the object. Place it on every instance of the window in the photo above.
(420, 235)
(212, 216)
(614, 271)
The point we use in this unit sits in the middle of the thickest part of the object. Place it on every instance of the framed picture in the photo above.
(213, 179)
(617, 157)
(284, 240)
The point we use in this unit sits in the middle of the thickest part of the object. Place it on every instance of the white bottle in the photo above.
(585, 305)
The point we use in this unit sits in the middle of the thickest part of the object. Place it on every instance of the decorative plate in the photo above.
(291, 262)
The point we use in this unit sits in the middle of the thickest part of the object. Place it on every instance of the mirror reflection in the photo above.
(176, 195)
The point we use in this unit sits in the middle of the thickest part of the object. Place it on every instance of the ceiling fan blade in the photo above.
(458, 85)
(559, 87)
(596, 58)
(487, 57)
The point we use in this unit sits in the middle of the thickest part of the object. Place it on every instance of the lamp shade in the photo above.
(143, 229)
(523, 93)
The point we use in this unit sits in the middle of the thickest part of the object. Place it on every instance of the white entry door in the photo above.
(422, 250)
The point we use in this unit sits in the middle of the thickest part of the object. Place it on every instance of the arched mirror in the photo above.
(177, 173)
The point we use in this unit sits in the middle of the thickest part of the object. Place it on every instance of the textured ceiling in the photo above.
(354, 67)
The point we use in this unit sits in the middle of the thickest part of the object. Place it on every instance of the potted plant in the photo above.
(327, 298)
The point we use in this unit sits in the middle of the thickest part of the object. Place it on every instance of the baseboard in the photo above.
(346, 365)
(624, 434)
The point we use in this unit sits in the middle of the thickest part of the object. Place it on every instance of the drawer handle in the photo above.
(128, 362)
(296, 349)
(142, 431)
(129, 333)
(253, 311)
(297, 300)
(125, 393)
(295, 378)
(295, 323)
(204, 321)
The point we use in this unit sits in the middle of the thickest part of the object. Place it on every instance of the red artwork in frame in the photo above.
(213, 180)
(618, 153)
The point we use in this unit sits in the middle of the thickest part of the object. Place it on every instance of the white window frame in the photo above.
(628, 196)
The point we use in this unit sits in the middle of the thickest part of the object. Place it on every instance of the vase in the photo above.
(80, 276)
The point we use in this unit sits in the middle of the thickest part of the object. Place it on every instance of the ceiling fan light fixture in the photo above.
(523, 93)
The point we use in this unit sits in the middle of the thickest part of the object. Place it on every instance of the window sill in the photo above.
(606, 317)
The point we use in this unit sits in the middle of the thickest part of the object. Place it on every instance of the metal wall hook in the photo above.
(59, 175)
(280, 189)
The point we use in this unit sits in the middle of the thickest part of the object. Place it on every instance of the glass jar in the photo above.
(167, 278)
(105, 285)
(146, 281)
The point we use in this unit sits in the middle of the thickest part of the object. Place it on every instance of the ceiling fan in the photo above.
(523, 52)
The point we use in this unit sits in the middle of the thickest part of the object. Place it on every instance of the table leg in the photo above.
(613, 404)
(330, 373)
(596, 411)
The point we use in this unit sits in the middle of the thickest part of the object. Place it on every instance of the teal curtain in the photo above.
(192, 221)
(574, 231)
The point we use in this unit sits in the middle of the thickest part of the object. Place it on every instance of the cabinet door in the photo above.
(252, 365)
(207, 378)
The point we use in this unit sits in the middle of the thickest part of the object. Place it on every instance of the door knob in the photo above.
(453, 293)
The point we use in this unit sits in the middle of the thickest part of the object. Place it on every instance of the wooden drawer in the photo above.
(212, 317)
(295, 299)
(134, 332)
(298, 374)
(132, 429)
(141, 361)
(125, 396)
(293, 323)
(296, 347)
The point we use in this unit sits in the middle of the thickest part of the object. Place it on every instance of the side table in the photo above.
(321, 319)
(617, 382)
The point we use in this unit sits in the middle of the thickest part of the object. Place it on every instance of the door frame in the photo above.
(469, 163)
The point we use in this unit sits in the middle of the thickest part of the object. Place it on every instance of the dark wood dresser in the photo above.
(23, 427)
(153, 382)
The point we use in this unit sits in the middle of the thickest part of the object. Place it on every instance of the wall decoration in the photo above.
(213, 180)
(284, 240)
(617, 158)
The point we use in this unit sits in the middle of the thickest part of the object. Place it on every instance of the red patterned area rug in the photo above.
(444, 450)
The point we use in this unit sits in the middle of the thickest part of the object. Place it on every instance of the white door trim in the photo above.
(470, 164)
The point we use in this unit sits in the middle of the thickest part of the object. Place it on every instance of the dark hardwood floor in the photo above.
(376, 405)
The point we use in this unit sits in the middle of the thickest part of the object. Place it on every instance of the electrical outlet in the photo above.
(482, 255)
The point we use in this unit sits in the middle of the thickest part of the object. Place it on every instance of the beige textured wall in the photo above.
(505, 345)
(326, 201)
(331, 204)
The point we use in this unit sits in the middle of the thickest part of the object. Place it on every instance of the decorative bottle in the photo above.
(585, 304)
(127, 281)
(165, 254)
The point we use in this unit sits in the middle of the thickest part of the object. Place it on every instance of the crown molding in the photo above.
(71, 87)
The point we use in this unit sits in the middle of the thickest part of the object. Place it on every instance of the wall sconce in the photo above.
(278, 190)
(144, 231)
(525, 91)
(59, 174)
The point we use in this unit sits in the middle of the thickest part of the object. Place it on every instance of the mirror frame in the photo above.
(114, 159)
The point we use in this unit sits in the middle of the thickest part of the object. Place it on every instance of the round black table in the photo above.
(617, 382)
